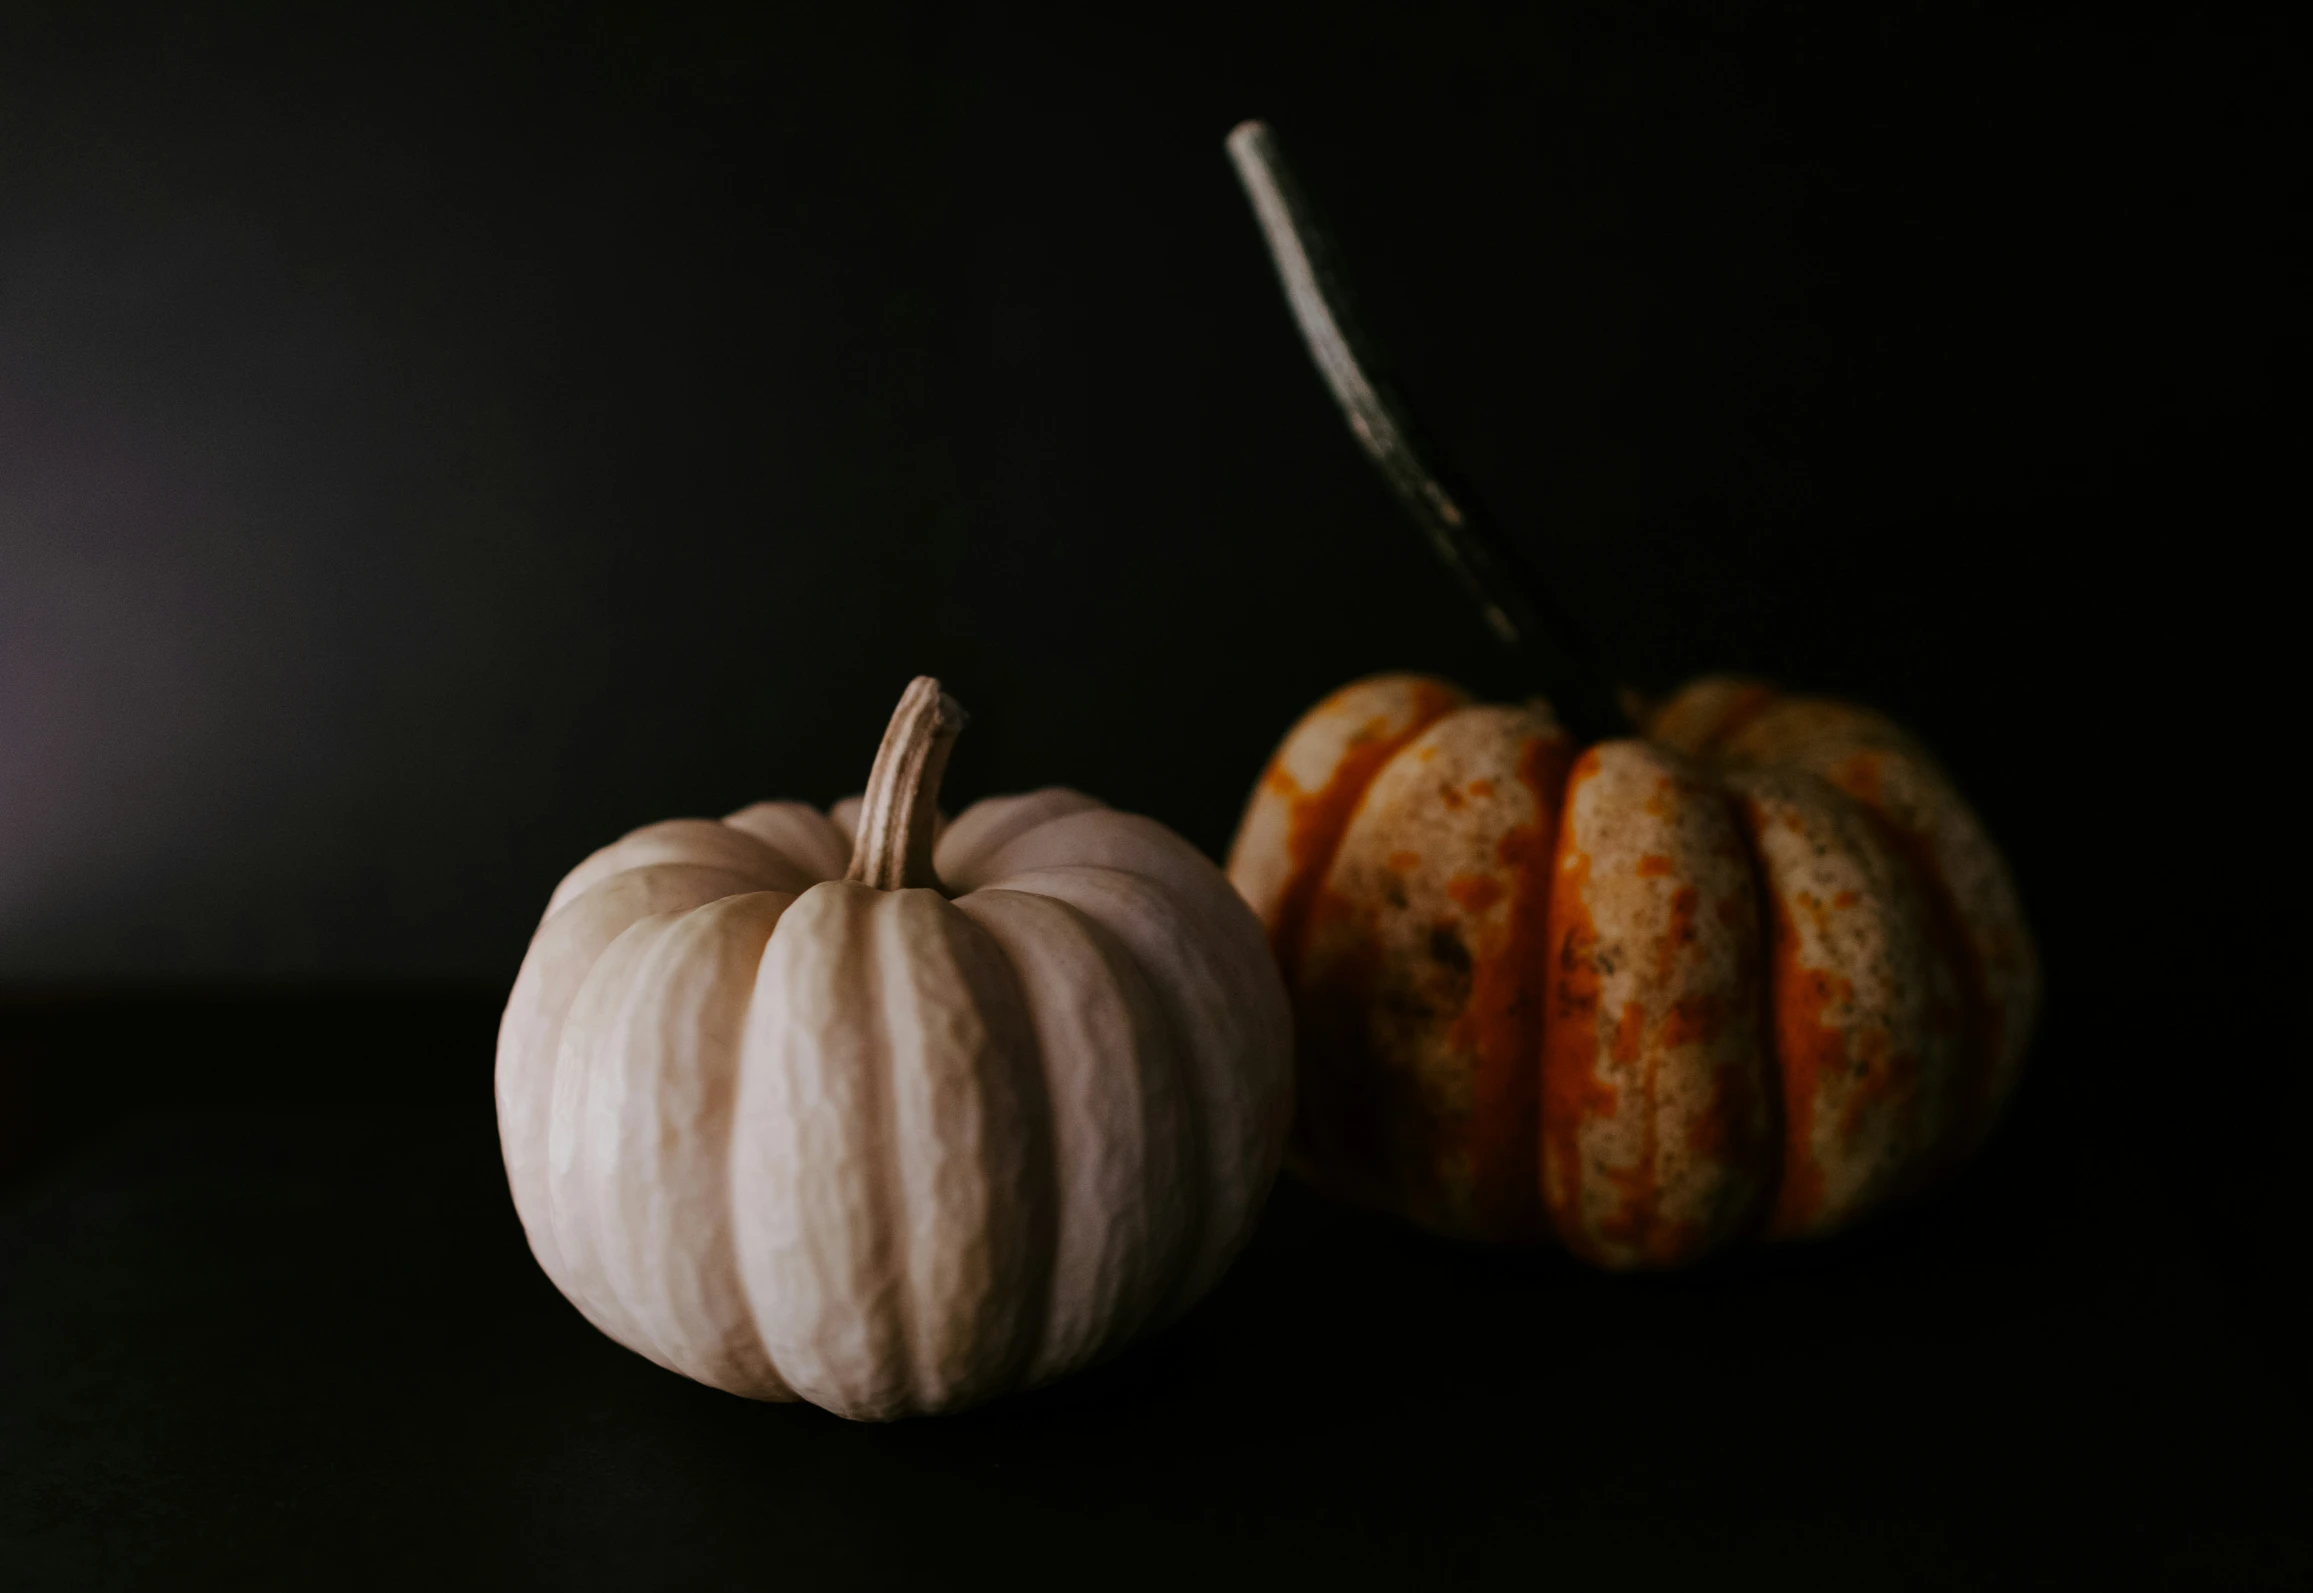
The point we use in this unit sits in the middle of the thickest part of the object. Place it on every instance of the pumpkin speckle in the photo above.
(1474, 893)
(1319, 817)
(1447, 947)
(1421, 1012)
(1679, 1163)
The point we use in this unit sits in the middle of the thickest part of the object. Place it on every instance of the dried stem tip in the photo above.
(893, 850)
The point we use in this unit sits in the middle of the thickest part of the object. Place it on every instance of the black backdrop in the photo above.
(433, 441)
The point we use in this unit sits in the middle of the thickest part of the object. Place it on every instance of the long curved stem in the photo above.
(900, 808)
(1509, 600)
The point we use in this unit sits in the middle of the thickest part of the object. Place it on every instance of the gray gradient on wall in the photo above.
(430, 446)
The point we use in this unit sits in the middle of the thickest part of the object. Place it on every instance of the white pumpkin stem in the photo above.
(900, 809)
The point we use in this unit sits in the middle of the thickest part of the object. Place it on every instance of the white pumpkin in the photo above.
(800, 1119)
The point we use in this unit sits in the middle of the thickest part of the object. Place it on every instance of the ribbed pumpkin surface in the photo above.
(1761, 972)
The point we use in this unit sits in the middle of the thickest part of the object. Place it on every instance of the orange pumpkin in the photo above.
(1756, 970)
(1759, 971)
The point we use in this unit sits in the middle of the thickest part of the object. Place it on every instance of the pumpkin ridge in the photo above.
(890, 1219)
(1318, 821)
(1980, 1019)
(797, 831)
(983, 832)
(816, 1233)
(1503, 1024)
(1802, 1046)
(1976, 919)
(1197, 1153)
(742, 1032)
(679, 1043)
(1086, 1316)
(698, 843)
(553, 969)
(1867, 1028)
(961, 1149)
(1654, 1079)
(1765, 1013)
(609, 1222)
(1409, 1010)
(1021, 1066)
(1209, 1243)
(597, 1006)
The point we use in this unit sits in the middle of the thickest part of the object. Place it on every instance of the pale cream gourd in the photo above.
(803, 1119)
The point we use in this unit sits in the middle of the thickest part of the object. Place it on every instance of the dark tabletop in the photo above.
(290, 1336)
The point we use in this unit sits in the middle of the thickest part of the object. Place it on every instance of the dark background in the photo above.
(435, 440)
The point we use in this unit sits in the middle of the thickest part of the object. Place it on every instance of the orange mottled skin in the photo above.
(1868, 1022)
(1657, 1114)
(1975, 917)
(1418, 1020)
(1780, 988)
(1501, 1027)
(1316, 814)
